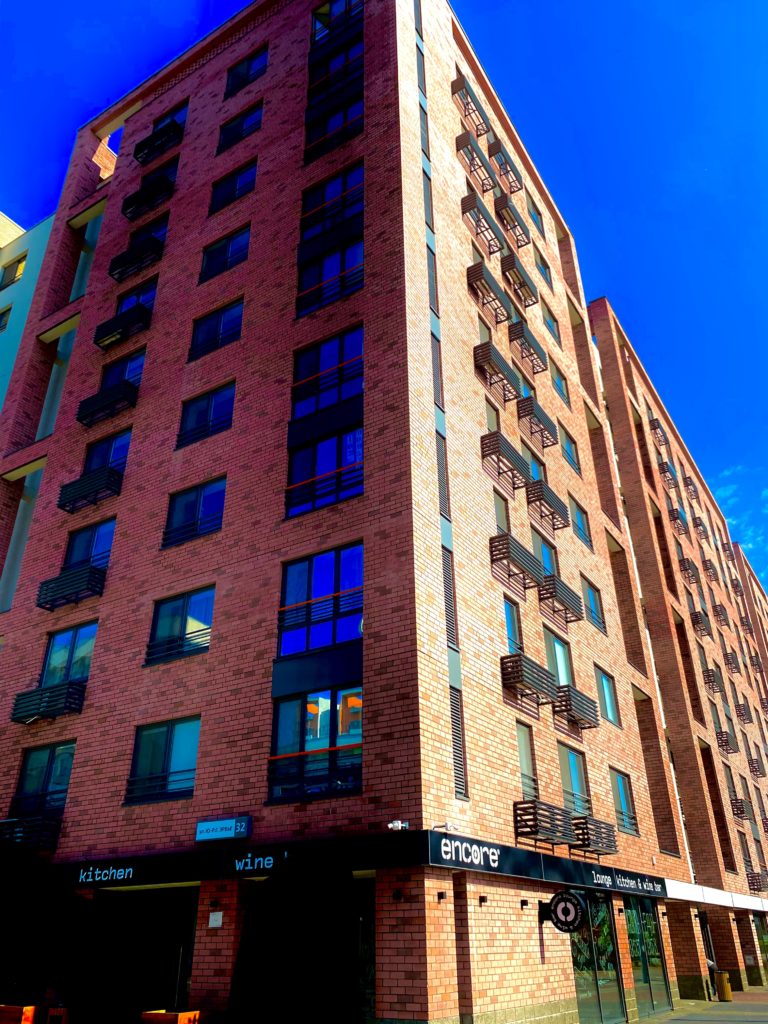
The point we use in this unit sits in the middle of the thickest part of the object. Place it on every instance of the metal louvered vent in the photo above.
(457, 744)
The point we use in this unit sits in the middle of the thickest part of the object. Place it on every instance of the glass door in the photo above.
(646, 953)
(595, 965)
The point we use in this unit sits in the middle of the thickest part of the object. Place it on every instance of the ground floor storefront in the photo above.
(416, 926)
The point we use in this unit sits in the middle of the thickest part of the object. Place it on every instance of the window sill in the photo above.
(310, 798)
(628, 831)
(163, 798)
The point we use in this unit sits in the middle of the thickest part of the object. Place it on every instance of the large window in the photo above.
(225, 254)
(44, 780)
(246, 71)
(156, 229)
(329, 128)
(545, 553)
(570, 449)
(542, 266)
(325, 472)
(573, 772)
(512, 622)
(525, 755)
(322, 600)
(550, 322)
(128, 368)
(233, 186)
(240, 127)
(327, 373)
(580, 522)
(317, 745)
(329, 277)
(216, 330)
(164, 761)
(11, 272)
(181, 625)
(324, 16)
(332, 201)
(536, 466)
(559, 382)
(5, 316)
(195, 512)
(90, 546)
(68, 655)
(110, 451)
(558, 658)
(624, 803)
(535, 214)
(593, 604)
(606, 696)
(206, 415)
(176, 116)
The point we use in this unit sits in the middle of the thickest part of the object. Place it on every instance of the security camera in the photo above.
(397, 826)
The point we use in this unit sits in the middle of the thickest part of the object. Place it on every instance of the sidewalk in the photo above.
(746, 1008)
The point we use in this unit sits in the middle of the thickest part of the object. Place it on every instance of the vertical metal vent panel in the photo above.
(450, 599)
(457, 741)
(442, 476)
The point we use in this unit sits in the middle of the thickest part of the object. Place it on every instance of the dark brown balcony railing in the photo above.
(691, 487)
(520, 564)
(551, 509)
(725, 742)
(483, 225)
(576, 708)
(509, 468)
(737, 587)
(755, 662)
(72, 586)
(123, 326)
(679, 520)
(489, 292)
(764, 704)
(516, 274)
(668, 473)
(151, 195)
(594, 836)
(507, 167)
(511, 220)
(756, 881)
(539, 424)
(469, 106)
(136, 258)
(499, 377)
(476, 162)
(744, 713)
(49, 702)
(158, 142)
(520, 334)
(107, 403)
(38, 832)
(732, 662)
(701, 528)
(543, 822)
(739, 807)
(756, 767)
(711, 570)
(728, 551)
(713, 681)
(524, 677)
(701, 624)
(721, 614)
(91, 488)
(689, 570)
(658, 431)
(746, 624)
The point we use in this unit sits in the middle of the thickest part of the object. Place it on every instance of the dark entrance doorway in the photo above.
(134, 953)
(761, 929)
(595, 964)
(709, 950)
(307, 950)
(647, 955)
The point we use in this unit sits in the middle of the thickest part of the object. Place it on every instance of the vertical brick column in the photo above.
(10, 496)
(668, 950)
(753, 961)
(215, 948)
(687, 947)
(623, 957)
(728, 952)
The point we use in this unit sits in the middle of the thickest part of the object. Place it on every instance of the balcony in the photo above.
(713, 681)
(701, 624)
(721, 615)
(520, 333)
(508, 466)
(552, 510)
(136, 258)
(765, 825)
(594, 836)
(91, 488)
(756, 881)
(755, 662)
(689, 570)
(728, 552)
(542, 822)
(123, 326)
(72, 586)
(158, 142)
(756, 768)
(764, 704)
(151, 195)
(37, 832)
(540, 426)
(746, 624)
(668, 474)
(469, 106)
(107, 403)
(316, 774)
(499, 377)
(507, 168)
(732, 663)
(520, 564)
(326, 489)
(739, 807)
(701, 528)
(511, 220)
(711, 570)
(476, 162)
(560, 599)
(482, 223)
(48, 702)
(725, 742)
(691, 487)
(744, 713)
(679, 520)
(737, 587)
(658, 431)
(489, 292)
(524, 677)
(516, 274)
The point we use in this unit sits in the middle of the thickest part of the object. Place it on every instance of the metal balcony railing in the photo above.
(539, 424)
(594, 836)
(701, 528)
(520, 564)
(470, 107)
(658, 431)
(158, 142)
(316, 774)
(49, 701)
(136, 257)
(712, 681)
(721, 616)
(679, 520)
(509, 467)
(701, 624)
(627, 821)
(746, 624)
(107, 403)
(476, 162)
(743, 713)
(728, 551)
(711, 570)
(732, 662)
(507, 167)
(755, 662)
(320, 609)
(330, 290)
(151, 195)
(71, 586)
(542, 822)
(38, 832)
(737, 587)
(689, 570)
(482, 224)
(172, 536)
(668, 474)
(739, 808)
(516, 274)
(123, 326)
(530, 349)
(511, 220)
(326, 489)
(725, 742)
(551, 509)
(524, 677)
(499, 377)
(764, 704)
(576, 708)
(173, 785)
(167, 648)
(756, 768)
(91, 488)
(691, 487)
(489, 292)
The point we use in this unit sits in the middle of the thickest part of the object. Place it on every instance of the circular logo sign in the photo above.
(567, 911)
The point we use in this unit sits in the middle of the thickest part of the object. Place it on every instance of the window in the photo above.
(90, 546)
(536, 466)
(512, 622)
(338, 68)
(325, 472)
(458, 744)
(159, 178)
(322, 600)
(327, 373)
(593, 604)
(491, 417)
(240, 127)
(569, 449)
(421, 74)
(606, 696)
(559, 382)
(176, 116)
(624, 803)
(216, 330)
(417, 16)
(501, 508)
(432, 281)
(328, 129)
(142, 295)
(246, 71)
(225, 254)
(550, 322)
(110, 451)
(323, 17)
(195, 512)
(558, 658)
(68, 655)
(44, 780)
(535, 214)
(5, 316)
(573, 772)
(541, 264)
(545, 553)
(317, 745)
(424, 127)
(428, 212)
(164, 761)
(526, 388)
(331, 202)
(206, 415)
(580, 522)
(128, 368)
(527, 764)
(12, 271)
(157, 229)
(181, 625)
(233, 186)
(329, 277)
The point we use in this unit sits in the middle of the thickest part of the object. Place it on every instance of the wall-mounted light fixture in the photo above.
(523, 904)
(483, 900)
(442, 895)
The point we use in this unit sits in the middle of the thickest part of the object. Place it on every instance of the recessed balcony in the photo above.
(158, 142)
(71, 586)
(538, 821)
(744, 713)
(701, 624)
(540, 426)
(689, 570)
(91, 488)
(518, 277)
(508, 467)
(701, 528)
(530, 350)
(136, 258)
(107, 403)
(713, 681)
(561, 602)
(679, 520)
(511, 220)
(691, 487)
(489, 292)
(499, 377)
(48, 702)
(151, 195)
(482, 224)
(552, 510)
(123, 326)
(507, 167)
(658, 431)
(469, 106)
(524, 677)
(721, 614)
(711, 570)
(476, 162)
(519, 564)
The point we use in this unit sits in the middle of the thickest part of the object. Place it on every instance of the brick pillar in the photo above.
(668, 950)
(215, 948)
(753, 961)
(10, 496)
(623, 957)
(728, 953)
(687, 946)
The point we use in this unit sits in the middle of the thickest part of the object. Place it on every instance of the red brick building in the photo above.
(328, 665)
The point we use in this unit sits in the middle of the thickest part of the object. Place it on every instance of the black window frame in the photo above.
(321, 383)
(327, 489)
(329, 290)
(143, 294)
(135, 793)
(68, 677)
(227, 136)
(198, 349)
(46, 802)
(227, 190)
(125, 361)
(213, 263)
(200, 527)
(178, 646)
(102, 560)
(240, 75)
(184, 438)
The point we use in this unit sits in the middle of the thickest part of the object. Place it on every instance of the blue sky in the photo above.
(645, 119)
